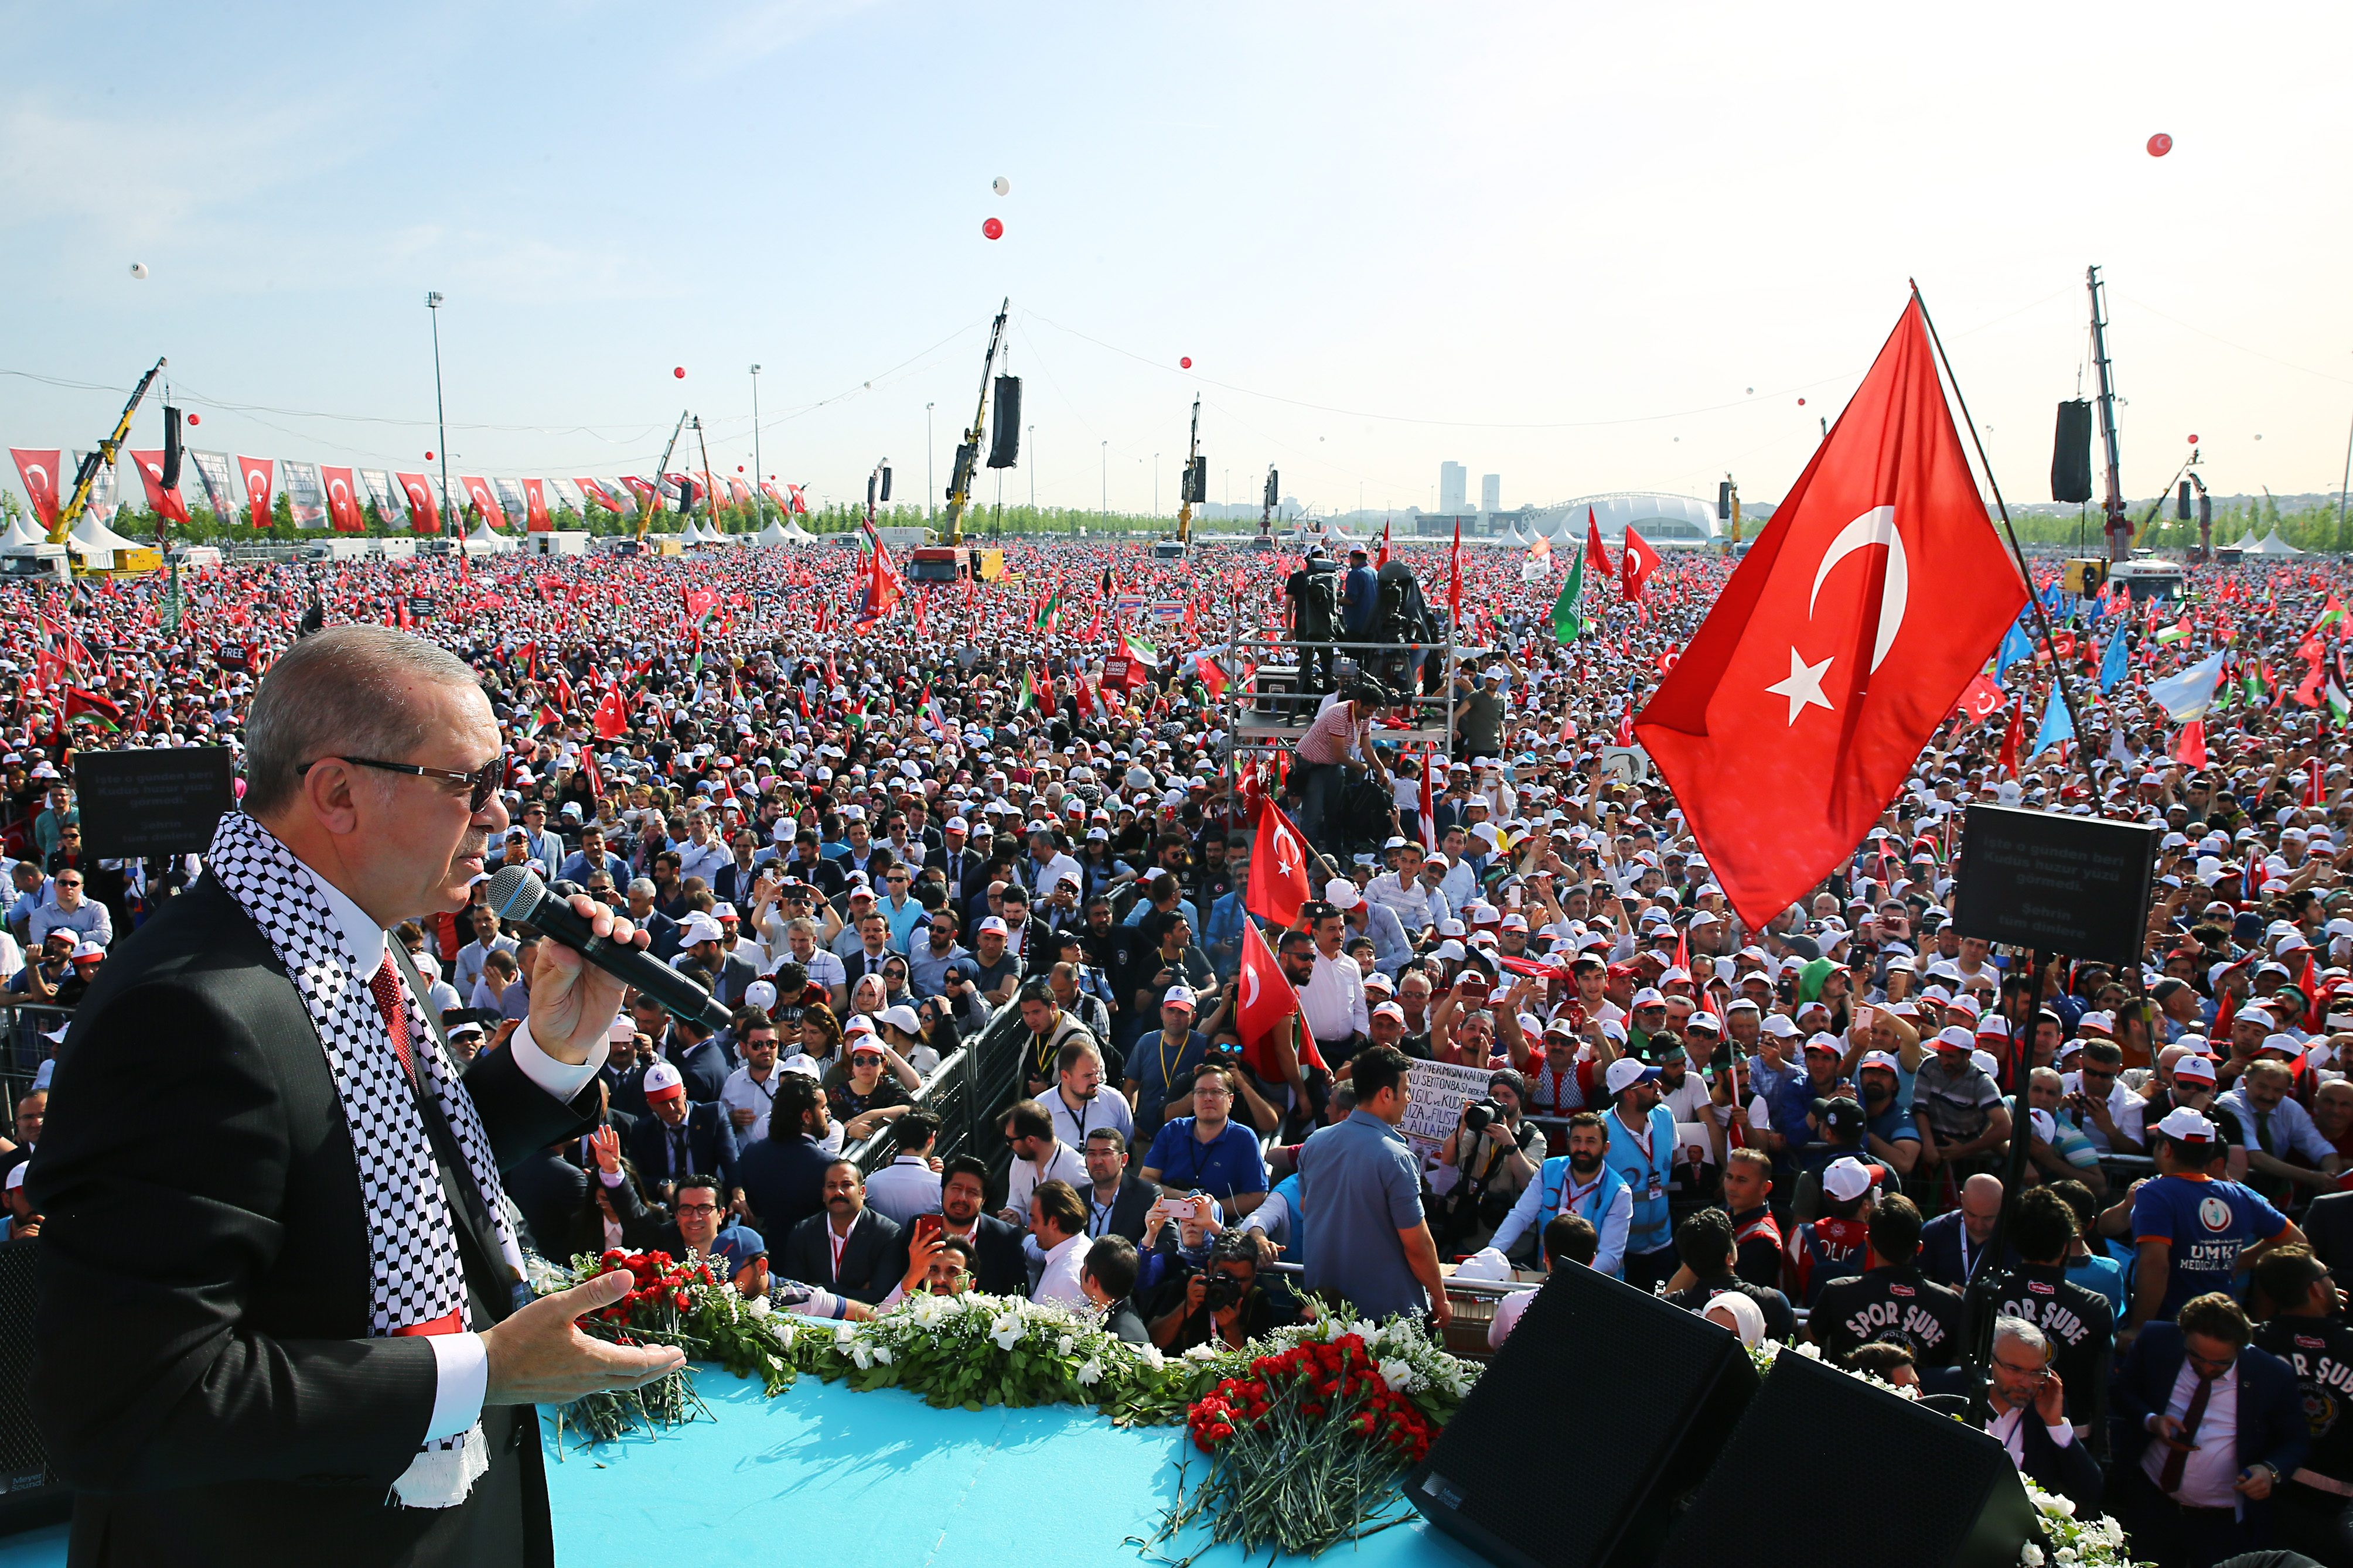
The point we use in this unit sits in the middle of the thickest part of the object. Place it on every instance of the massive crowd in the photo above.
(871, 835)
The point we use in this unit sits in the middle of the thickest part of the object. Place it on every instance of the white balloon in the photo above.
(1001, 185)
(138, 270)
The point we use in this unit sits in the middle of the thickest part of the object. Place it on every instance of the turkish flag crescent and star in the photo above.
(1869, 601)
(1267, 999)
(1278, 870)
(612, 716)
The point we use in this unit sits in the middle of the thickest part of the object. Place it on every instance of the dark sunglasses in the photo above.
(483, 781)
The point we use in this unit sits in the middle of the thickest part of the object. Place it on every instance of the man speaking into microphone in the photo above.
(277, 1319)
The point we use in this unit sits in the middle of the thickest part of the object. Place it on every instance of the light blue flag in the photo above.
(2187, 695)
(2057, 725)
(2015, 645)
(2116, 663)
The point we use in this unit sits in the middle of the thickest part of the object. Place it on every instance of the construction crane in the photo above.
(967, 456)
(1195, 484)
(653, 502)
(86, 474)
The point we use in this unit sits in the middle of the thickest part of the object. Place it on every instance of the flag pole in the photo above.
(2018, 553)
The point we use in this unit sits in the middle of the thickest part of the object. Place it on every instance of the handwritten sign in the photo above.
(1438, 1092)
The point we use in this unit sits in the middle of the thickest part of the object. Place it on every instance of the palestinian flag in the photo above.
(1049, 615)
(83, 706)
(1142, 652)
(1029, 691)
(2338, 709)
(2174, 633)
(1569, 610)
(2331, 615)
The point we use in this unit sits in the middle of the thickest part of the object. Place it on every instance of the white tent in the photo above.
(796, 534)
(25, 532)
(2249, 543)
(772, 535)
(486, 540)
(2274, 544)
(91, 537)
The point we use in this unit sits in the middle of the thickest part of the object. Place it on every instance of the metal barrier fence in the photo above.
(23, 1045)
(975, 1082)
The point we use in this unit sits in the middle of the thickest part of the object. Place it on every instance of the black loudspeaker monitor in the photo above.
(2070, 453)
(1005, 440)
(171, 480)
(1938, 1494)
(1273, 483)
(29, 1495)
(1578, 1446)
(2181, 503)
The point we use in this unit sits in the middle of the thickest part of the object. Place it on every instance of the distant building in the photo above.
(1452, 483)
(1491, 492)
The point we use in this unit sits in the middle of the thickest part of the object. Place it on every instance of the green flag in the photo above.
(1569, 610)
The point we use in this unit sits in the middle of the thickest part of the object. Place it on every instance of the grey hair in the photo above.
(339, 692)
(2024, 1332)
(641, 885)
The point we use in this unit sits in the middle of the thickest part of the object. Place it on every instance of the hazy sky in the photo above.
(1562, 243)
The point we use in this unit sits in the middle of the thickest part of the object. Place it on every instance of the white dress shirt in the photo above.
(1059, 1285)
(1063, 1165)
(742, 1091)
(1334, 999)
(462, 1365)
(1105, 1109)
(904, 1188)
(2208, 1478)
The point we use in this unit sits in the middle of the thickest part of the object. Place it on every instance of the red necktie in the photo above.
(2169, 1481)
(392, 1005)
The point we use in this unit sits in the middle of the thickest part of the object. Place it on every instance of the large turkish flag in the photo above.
(1278, 869)
(342, 505)
(1867, 605)
(257, 474)
(171, 503)
(1267, 999)
(424, 511)
(37, 467)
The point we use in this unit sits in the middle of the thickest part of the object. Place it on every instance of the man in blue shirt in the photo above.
(1360, 1183)
(1207, 1152)
(1359, 597)
(1642, 1152)
(2193, 1232)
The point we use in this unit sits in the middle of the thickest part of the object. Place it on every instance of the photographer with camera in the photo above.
(1492, 1155)
(1223, 1302)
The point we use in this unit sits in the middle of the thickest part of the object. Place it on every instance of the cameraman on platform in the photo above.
(1223, 1302)
(1495, 1155)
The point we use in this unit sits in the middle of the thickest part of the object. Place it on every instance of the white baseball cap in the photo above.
(662, 1081)
(2186, 1124)
(1848, 1178)
(760, 994)
(1626, 1072)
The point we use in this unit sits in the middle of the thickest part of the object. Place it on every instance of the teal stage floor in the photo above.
(858, 1479)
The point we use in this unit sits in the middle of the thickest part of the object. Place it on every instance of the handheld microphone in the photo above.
(515, 894)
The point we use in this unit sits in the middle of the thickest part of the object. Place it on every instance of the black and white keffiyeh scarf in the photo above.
(412, 1239)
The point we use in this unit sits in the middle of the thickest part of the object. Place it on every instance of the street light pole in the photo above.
(927, 461)
(440, 416)
(757, 474)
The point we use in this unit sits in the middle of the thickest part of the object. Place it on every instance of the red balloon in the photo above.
(2193, 440)
(428, 457)
(2160, 145)
(1184, 364)
(739, 467)
(680, 372)
(1802, 402)
(992, 228)
(195, 419)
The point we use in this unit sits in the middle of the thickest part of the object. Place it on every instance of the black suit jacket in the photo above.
(703, 1064)
(709, 1140)
(2071, 1471)
(873, 1259)
(1940, 1251)
(998, 1268)
(1128, 1209)
(550, 1190)
(782, 1178)
(2271, 1423)
(2328, 1225)
(205, 1381)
